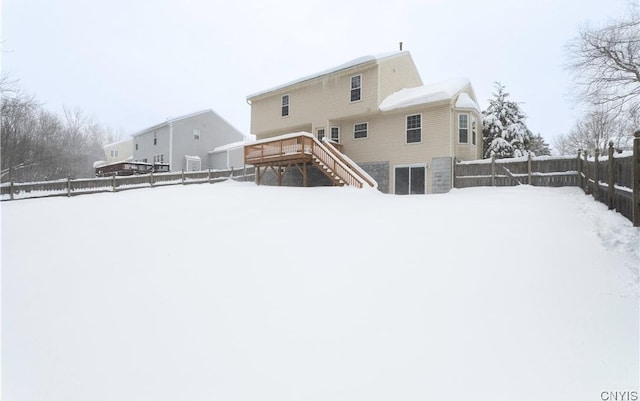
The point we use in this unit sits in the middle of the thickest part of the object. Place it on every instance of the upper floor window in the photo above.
(155, 138)
(285, 105)
(463, 128)
(136, 146)
(196, 134)
(114, 153)
(320, 133)
(335, 134)
(473, 130)
(414, 128)
(356, 87)
(360, 130)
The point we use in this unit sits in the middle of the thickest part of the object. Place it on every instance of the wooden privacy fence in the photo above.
(613, 179)
(72, 187)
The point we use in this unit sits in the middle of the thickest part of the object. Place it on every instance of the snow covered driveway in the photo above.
(238, 292)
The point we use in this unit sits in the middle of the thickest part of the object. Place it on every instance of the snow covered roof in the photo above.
(465, 102)
(118, 143)
(425, 94)
(189, 157)
(171, 120)
(228, 146)
(350, 64)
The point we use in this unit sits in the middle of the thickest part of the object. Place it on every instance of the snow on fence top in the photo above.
(517, 159)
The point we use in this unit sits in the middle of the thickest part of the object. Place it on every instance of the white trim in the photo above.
(367, 131)
(426, 167)
(351, 88)
(459, 128)
(474, 130)
(406, 128)
(331, 133)
(288, 96)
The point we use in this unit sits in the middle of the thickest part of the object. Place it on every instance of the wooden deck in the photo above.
(286, 151)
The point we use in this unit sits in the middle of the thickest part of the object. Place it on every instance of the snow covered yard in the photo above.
(238, 292)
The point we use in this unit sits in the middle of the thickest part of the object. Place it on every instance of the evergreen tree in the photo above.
(538, 146)
(504, 131)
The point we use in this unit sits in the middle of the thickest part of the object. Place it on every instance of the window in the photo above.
(414, 128)
(136, 146)
(360, 130)
(158, 158)
(196, 134)
(320, 133)
(473, 130)
(335, 134)
(285, 105)
(356, 86)
(410, 180)
(155, 138)
(463, 128)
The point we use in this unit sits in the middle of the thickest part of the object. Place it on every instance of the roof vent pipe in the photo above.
(400, 46)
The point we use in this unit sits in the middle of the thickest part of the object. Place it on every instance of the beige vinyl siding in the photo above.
(123, 148)
(316, 101)
(386, 139)
(397, 73)
(467, 151)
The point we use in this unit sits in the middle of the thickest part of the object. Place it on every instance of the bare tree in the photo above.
(605, 63)
(596, 130)
(36, 144)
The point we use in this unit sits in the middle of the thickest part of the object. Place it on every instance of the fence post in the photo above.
(596, 185)
(11, 190)
(611, 179)
(182, 176)
(493, 171)
(209, 176)
(231, 173)
(68, 186)
(636, 179)
(580, 179)
(113, 183)
(529, 167)
(151, 178)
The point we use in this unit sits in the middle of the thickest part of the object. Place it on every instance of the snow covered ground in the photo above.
(238, 292)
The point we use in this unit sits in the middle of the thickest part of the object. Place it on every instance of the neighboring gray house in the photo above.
(227, 156)
(184, 142)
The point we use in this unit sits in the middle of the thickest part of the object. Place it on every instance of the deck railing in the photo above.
(287, 147)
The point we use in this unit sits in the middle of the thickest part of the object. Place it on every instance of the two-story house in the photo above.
(404, 134)
(184, 142)
(118, 151)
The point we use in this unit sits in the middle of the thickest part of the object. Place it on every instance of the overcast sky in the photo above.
(133, 63)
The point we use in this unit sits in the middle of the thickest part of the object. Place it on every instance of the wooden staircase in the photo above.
(282, 152)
